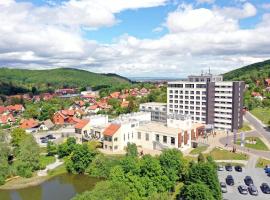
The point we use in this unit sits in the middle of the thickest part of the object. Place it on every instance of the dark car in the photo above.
(44, 140)
(253, 190)
(238, 168)
(265, 188)
(50, 136)
(243, 189)
(229, 180)
(229, 167)
(248, 181)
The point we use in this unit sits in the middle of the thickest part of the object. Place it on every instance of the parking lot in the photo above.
(258, 175)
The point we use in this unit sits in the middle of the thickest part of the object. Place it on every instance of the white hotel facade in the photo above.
(208, 100)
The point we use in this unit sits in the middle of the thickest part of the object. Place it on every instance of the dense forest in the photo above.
(13, 81)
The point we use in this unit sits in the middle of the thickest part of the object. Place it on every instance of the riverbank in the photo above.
(19, 183)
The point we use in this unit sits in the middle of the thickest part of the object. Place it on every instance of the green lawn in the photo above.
(262, 114)
(245, 128)
(221, 154)
(258, 146)
(262, 162)
(198, 150)
(46, 160)
(231, 163)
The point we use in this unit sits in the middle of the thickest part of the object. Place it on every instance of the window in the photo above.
(139, 135)
(115, 147)
(115, 139)
(147, 136)
(172, 141)
(165, 139)
(157, 137)
(197, 92)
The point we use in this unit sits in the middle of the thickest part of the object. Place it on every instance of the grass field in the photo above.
(262, 162)
(46, 160)
(222, 154)
(258, 146)
(198, 150)
(245, 128)
(231, 163)
(262, 114)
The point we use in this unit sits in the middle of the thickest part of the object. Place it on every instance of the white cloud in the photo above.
(205, 1)
(51, 36)
(266, 6)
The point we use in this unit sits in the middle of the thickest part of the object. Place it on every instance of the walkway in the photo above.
(51, 166)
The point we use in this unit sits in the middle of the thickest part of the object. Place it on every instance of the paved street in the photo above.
(256, 174)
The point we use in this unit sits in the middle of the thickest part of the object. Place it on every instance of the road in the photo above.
(258, 126)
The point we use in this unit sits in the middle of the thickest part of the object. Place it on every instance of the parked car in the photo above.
(265, 188)
(220, 168)
(51, 137)
(267, 169)
(253, 190)
(229, 167)
(42, 138)
(238, 168)
(243, 189)
(45, 140)
(248, 181)
(229, 180)
(223, 187)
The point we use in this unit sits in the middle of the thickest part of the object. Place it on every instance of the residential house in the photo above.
(7, 118)
(267, 82)
(92, 109)
(64, 117)
(65, 91)
(115, 95)
(3, 109)
(17, 108)
(30, 125)
(257, 95)
(124, 104)
(82, 128)
(46, 125)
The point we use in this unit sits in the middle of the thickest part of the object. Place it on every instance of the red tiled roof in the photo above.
(68, 112)
(115, 94)
(7, 118)
(17, 107)
(2, 109)
(111, 129)
(28, 123)
(124, 104)
(93, 107)
(82, 123)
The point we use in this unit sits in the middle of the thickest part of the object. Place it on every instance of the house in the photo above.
(82, 128)
(92, 109)
(65, 91)
(3, 109)
(46, 96)
(64, 117)
(7, 119)
(17, 108)
(26, 97)
(257, 95)
(123, 97)
(115, 95)
(144, 92)
(124, 104)
(36, 98)
(267, 82)
(30, 125)
(79, 103)
(46, 125)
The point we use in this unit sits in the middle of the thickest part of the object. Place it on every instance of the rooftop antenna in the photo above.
(202, 71)
(209, 70)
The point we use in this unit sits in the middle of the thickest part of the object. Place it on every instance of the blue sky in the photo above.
(134, 37)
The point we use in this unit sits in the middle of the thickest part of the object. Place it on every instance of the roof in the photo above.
(124, 104)
(82, 123)
(111, 129)
(48, 123)
(93, 107)
(159, 128)
(17, 107)
(68, 112)
(115, 94)
(29, 123)
(2, 109)
(6, 118)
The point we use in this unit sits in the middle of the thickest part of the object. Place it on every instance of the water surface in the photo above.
(61, 187)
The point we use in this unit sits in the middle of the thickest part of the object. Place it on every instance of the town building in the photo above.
(208, 100)
(158, 111)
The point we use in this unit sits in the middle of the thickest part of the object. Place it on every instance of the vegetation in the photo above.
(262, 114)
(261, 163)
(245, 128)
(46, 160)
(15, 81)
(198, 150)
(258, 143)
(222, 154)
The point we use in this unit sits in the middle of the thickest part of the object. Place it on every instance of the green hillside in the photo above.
(250, 73)
(16, 80)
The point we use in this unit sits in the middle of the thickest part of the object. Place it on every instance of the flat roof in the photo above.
(158, 127)
(154, 104)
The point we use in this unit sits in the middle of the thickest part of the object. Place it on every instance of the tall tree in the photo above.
(196, 191)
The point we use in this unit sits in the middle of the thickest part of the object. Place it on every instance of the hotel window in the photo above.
(172, 141)
(139, 135)
(115, 139)
(147, 136)
(157, 137)
(165, 139)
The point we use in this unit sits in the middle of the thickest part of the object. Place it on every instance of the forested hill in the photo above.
(250, 73)
(20, 80)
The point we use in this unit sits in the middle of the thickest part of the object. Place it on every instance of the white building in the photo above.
(208, 100)
(158, 110)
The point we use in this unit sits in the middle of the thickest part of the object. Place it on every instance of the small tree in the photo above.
(132, 150)
(196, 191)
(17, 135)
(51, 148)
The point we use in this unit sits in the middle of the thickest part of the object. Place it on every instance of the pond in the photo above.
(61, 187)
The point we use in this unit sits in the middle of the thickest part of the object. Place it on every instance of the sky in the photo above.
(135, 38)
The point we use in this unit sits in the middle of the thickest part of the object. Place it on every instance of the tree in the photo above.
(131, 150)
(207, 174)
(17, 135)
(66, 148)
(196, 191)
(106, 190)
(4, 153)
(51, 148)
(201, 158)
(172, 164)
(80, 159)
(28, 157)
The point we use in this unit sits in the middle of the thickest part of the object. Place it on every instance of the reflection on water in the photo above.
(62, 187)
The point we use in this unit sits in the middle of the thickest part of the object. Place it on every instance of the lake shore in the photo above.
(20, 183)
